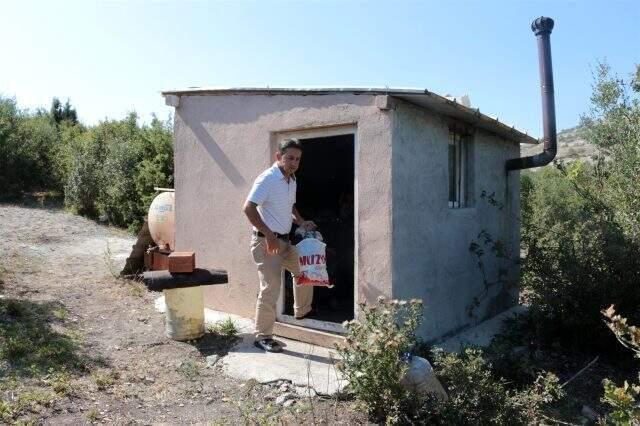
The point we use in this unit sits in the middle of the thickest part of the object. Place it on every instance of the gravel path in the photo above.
(132, 373)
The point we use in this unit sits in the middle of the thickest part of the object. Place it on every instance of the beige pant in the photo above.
(270, 273)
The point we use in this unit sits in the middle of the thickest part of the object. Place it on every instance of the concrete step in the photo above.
(307, 335)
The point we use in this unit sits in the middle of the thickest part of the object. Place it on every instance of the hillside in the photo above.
(571, 146)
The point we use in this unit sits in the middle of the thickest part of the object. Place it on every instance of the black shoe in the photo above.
(268, 345)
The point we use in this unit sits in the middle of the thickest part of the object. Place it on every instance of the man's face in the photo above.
(289, 161)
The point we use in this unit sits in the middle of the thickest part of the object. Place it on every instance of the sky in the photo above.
(112, 57)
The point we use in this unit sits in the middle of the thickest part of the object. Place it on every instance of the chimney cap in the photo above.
(542, 25)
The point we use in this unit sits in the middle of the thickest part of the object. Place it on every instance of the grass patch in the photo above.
(29, 345)
(61, 383)
(60, 313)
(189, 369)
(226, 328)
(92, 415)
(104, 378)
(26, 402)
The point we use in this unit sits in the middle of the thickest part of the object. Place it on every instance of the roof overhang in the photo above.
(420, 97)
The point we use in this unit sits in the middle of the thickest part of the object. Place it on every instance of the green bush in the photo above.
(581, 224)
(624, 400)
(113, 167)
(372, 362)
(577, 258)
(27, 150)
(108, 170)
(477, 396)
(371, 357)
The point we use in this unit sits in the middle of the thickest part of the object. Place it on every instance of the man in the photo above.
(270, 207)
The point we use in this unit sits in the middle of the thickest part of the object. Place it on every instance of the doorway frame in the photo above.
(312, 133)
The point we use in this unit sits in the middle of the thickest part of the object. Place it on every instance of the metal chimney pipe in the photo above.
(542, 28)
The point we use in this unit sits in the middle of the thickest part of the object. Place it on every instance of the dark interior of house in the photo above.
(326, 195)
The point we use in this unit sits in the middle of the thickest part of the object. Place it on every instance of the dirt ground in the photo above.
(83, 346)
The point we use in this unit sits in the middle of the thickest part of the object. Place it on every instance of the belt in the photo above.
(284, 237)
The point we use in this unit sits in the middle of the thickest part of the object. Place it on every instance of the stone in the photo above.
(283, 398)
(289, 403)
(304, 391)
(212, 359)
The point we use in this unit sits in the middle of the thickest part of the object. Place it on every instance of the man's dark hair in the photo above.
(289, 143)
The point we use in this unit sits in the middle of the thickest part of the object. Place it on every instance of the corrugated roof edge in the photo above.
(421, 97)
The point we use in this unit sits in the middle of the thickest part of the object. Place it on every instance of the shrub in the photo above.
(371, 358)
(577, 258)
(84, 176)
(477, 396)
(581, 224)
(372, 362)
(106, 170)
(625, 399)
(113, 167)
(27, 146)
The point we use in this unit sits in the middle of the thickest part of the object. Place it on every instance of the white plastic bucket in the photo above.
(184, 314)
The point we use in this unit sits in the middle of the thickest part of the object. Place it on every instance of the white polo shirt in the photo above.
(275, 198)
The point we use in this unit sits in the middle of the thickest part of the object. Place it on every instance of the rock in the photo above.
(212, 359)
(283, 398)
(306, 392)
(589, 413)
(284, 387)
(289, 403)
(149, 380)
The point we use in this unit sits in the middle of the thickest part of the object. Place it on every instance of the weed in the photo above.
(60, 313)
(6, 411)
(190, 369)
(28, 342)
(31, 401)
(226, 328)
(109, 263)
(104, 379)
(92, 415)
(61, 383)
(251, 414)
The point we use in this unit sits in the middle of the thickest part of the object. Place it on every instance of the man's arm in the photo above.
(251, 210)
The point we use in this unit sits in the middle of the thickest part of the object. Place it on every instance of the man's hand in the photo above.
(272, 243)
(308, 225)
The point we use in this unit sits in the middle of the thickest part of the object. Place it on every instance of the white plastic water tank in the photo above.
(161, 220)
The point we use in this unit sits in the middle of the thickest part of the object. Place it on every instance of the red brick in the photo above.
(182, 261)
(160, 261)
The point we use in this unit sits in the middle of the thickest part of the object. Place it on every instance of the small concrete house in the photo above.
(400, 182)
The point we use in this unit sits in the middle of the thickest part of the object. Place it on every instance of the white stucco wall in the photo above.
(223, 142)
(431, 257)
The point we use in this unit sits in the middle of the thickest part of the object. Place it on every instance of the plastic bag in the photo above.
(312, 260)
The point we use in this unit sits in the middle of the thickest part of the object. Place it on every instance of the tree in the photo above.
(61, 112)
(613, 124)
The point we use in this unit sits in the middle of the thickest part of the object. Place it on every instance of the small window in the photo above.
(458, 169)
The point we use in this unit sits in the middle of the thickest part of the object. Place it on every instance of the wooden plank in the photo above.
(307, 335)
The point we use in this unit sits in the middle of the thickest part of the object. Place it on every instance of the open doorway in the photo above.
(326, 196)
